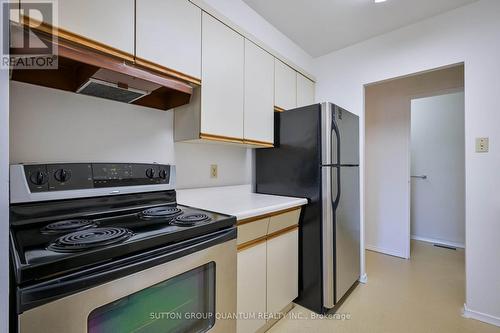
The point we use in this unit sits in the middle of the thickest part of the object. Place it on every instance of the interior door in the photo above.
(438, 169)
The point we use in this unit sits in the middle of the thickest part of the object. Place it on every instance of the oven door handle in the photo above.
(45, 292)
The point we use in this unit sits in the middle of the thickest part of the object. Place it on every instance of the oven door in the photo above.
(196, 292)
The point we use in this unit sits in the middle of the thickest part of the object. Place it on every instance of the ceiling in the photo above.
(323, 26)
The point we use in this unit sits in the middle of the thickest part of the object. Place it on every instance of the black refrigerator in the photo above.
(316, 156)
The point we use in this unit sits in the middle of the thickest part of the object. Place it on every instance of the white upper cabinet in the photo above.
(305, 91)
(259, 94)
(168, 33)
(109, 22)
(222, 79)
(285, 86)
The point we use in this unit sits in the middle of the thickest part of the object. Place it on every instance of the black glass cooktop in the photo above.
(99, 230)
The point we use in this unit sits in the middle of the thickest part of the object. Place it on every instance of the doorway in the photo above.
(437, 156)
(387, 178)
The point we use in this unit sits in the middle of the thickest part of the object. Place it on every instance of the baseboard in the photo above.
(393, 253)
(438, 241)
(363, 279)
(471, 314)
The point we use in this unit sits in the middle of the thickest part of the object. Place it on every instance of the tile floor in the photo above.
(421, 295)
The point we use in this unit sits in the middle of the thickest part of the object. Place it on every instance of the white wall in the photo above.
(48, 125)
(4, 199)
(193, 160)
(437, 151)
(248, 19)
(469, 34)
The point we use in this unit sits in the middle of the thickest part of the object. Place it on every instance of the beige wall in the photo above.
(387, 162)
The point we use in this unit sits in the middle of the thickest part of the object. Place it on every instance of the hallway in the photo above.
(424, 294)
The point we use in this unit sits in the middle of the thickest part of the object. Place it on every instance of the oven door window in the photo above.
(184, 303)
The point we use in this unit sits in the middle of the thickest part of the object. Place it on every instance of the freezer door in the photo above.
(345, 145)
(347, 232)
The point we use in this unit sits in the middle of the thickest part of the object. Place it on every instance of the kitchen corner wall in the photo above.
(48, 125)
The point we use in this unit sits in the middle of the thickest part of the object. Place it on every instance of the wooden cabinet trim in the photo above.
(252, 243)
(171, 72)
(278, 109)
(260, 217)
(282, 231)
(222, 138)
(258, 143)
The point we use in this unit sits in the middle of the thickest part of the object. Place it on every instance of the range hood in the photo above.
(87, 70)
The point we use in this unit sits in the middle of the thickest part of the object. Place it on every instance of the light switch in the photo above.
(482, 145)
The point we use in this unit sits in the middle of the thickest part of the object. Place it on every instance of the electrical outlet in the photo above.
(482, 145)
(213, 171)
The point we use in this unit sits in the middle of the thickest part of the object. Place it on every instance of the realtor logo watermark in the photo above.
(25, 45)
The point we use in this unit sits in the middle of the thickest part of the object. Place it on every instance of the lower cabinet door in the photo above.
(251, 288)
(282, 270)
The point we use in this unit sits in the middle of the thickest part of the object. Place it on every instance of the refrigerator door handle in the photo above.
(335, 129)
(335, 202)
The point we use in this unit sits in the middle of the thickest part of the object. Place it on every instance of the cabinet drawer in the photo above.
(283, 221)
(251, 231)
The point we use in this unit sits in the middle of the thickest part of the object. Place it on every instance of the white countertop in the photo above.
(236, 200)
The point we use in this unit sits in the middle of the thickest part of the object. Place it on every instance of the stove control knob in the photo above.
(150, 173)
(163, 174)
(38, 178)
(62, 175)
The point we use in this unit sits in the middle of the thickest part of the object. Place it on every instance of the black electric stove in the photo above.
(63, 243)
(54, 238)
